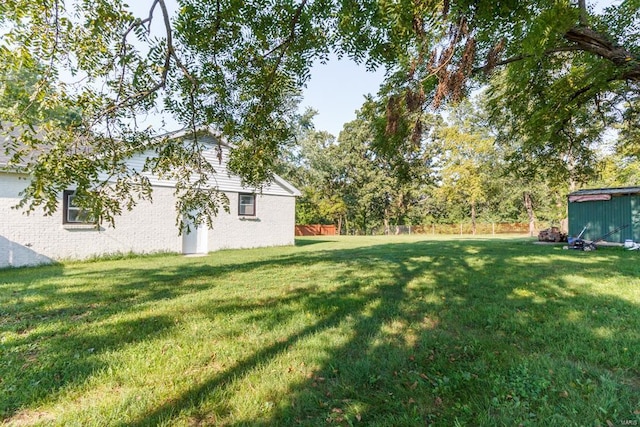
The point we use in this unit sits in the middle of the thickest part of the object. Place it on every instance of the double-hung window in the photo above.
(73, 214)
(247, 204)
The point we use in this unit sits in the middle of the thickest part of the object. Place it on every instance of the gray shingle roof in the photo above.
(225, 181)
(7, 132)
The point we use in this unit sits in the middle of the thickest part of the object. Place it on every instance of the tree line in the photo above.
(459, 172)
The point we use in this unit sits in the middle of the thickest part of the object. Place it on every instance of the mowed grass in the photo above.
(388, 331)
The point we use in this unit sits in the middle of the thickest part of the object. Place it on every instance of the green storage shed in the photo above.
(602, 211)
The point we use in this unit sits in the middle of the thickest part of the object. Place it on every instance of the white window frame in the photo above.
(243, 205)
(70, 208)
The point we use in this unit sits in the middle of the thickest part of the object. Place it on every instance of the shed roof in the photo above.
(611, 191)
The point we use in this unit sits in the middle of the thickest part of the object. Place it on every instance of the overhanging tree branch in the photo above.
(170, 55)
(488, 67)
(588, 40)
(585, 39)
(285, 43)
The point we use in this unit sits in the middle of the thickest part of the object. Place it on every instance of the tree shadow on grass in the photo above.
(52, 333)
(443, 339)
(46, 318)
(301, 241)
(38, 366)
(445, 331)
(336, 306)
(476, 348)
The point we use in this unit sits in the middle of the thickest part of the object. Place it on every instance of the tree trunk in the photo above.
(387, 228)
(528, 205)
(339, 231)
(364, 223)
(582, 6)
(473, 218)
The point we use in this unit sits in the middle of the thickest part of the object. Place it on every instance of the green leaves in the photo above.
(90, 70)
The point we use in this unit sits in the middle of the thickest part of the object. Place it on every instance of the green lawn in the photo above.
(402, 331)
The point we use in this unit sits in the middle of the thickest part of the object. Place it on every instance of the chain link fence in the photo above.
(460, 229)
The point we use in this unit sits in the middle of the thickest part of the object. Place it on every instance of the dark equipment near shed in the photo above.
(579, 244)
(582, 245)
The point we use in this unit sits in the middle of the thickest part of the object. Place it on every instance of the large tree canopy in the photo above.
(559, 72)
(565, 72)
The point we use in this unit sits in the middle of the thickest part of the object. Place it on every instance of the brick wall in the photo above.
(36, 238)
(273, 224)
(150, 227)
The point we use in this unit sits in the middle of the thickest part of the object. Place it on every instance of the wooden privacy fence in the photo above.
(315, 230)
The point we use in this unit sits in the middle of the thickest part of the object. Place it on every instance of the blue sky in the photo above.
(336, 90)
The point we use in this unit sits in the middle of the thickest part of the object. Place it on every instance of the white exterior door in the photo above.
(195, 241)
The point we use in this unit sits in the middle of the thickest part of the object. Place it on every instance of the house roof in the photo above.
(611, 191)
(4, 159)
(223, 181)
(10, 138)
(219, 159)
(7, 132)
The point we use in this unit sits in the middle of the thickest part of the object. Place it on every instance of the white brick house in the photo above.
(256, 219)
